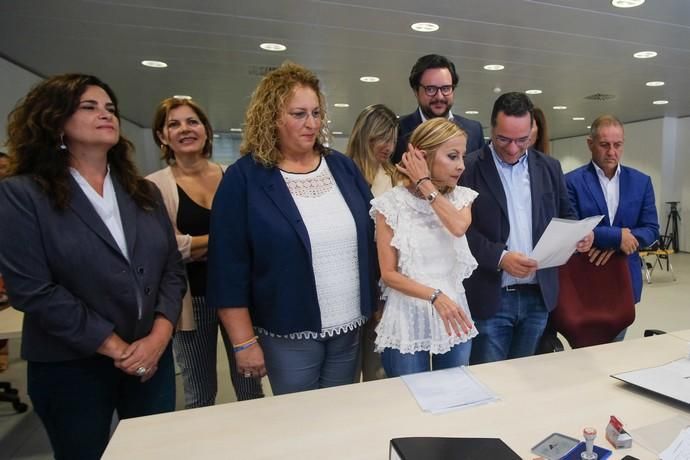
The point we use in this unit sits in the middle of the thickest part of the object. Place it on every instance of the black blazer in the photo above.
(488, 233)
(408, 123)
(64, 270)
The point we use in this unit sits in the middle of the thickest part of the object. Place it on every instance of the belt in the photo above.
(522, 288)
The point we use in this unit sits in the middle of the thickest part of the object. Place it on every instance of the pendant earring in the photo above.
(62, 145)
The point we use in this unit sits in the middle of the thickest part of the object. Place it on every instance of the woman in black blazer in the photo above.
(91, 259)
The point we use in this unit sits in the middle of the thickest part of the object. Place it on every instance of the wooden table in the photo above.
(558, 392)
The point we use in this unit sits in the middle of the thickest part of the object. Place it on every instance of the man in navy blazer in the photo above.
(433, 80)
(624, 196)
(520, 191)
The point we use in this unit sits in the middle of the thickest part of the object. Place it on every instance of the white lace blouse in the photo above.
(429, 254)
(333, 239)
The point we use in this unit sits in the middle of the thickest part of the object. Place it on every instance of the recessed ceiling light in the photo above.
(216, 136)
(494, 67)
(578, 118)
(472, 112)
(660, 102)
(424, 27)
(645, 54)
(337, 133)
(369, 79)
(272, 47)
(626, 3)
(236, 130)
(589, 126)
(655, 83)
(560, 107)
(341, 104)
(154, 64)
(533, 91)
(182, 96)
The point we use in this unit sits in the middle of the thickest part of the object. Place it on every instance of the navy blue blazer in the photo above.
(408, 123)
(64, 270)
(488, 233)
(636, 211)
(259, 251)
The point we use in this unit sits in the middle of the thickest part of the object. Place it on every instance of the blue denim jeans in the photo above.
(514, 331)
(307, 364)
(75, 400)
(396, 364)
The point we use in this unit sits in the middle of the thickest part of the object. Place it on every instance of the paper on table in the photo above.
(559, 240)
(672, 379)
(447, 389)
(679, 448)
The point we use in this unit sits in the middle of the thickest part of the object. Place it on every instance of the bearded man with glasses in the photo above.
(433, 80)
(520, 191)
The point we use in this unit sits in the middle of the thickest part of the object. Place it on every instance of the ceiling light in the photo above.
(337, 133)
(154, 64)
(424, 27)
(560, 107)
(369, 79)
(626, 3)
(494, 67)
(533, 91)
(645, 54)
(578, 118)
(341, 104)
(182, 96)
(471, 112)
(660, 102)
(216, 136)
(272, 47)
(589, 126)
(236, 130)
(655, 83)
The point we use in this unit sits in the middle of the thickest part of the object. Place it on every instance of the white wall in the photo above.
(655, 147)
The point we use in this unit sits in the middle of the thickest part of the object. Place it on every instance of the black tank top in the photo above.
(193, 219)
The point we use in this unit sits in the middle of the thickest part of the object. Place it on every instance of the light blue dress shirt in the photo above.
(516, 185)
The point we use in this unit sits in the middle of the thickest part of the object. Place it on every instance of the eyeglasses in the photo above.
(503, 141)
(303, 115)
(431, 90)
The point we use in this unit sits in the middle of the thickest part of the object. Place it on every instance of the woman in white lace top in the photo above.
(292, 264)
(424, 256)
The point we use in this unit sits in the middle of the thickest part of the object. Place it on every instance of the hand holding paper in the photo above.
(560, 240)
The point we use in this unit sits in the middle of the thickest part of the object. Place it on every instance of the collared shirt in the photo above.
(421, 114)
(611, 189)
(106, 207)
(516, 185)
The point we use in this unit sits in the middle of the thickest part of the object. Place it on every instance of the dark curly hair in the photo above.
(34, 131)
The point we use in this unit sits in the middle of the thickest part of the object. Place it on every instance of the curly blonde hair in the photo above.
(260, 135)
(429, 136)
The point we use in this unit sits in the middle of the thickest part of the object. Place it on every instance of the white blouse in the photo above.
(424, 250)
(333, 239)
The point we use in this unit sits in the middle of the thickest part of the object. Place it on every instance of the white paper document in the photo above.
(447, 389)
(679, 448)
(559, 240)
(672, 379)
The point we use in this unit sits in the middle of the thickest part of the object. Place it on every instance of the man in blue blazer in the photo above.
(433, 80)
(623, 195)
(520, 191)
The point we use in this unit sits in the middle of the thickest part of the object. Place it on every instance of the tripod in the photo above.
(671, 239)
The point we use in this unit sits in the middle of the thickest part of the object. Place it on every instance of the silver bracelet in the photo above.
(434, 296)
(432, 197)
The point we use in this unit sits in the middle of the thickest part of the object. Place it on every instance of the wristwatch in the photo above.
(432, 196)
(434, 296)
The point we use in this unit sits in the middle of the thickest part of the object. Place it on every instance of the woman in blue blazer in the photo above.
(292, 264)
(90, 257)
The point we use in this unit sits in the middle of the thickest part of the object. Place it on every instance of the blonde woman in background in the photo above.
(371, 144)
(188, 184)
(424, 255)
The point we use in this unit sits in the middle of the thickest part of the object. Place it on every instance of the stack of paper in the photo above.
(679, 449)
(448, 389)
